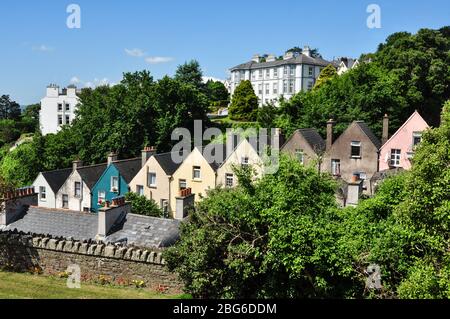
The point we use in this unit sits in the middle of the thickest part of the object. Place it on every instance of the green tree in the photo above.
(142, 206)
(9, 109)
(327, 74)
(275, 238)
(267, 115)
(191, 73)
(217, 92)
(244, 103)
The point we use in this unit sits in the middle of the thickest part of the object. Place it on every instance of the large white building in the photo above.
(57, 108)
(272, 78)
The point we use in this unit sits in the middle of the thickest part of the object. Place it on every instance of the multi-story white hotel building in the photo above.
(274, 77)
(57, 108)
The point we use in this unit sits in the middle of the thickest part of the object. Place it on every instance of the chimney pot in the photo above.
(330, 127)
(112, 157)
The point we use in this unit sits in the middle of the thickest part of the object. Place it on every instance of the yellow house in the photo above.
(154, 178)
(197, 172)
(243, 154)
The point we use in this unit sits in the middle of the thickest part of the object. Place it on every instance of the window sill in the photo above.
(355, 157)
(197, 180)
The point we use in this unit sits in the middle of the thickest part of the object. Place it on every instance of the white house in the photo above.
(47, 185)
(345, 64)
(272, 78)
(75, 193)
(57, 108)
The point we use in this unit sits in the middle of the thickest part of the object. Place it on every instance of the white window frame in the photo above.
(275, 88)
(229, 180)
(114, 189)
(42, 191)
(311, 71)
(336, 167)
(140, 190)
(151, 179)
(275, 73)
(195, 170)
(62, 200)
(245, 160)
(355, 144)
(300, 155)
(267, 88)
(182, 181)
(77, 195)
(101, 196)
(395, 158)
(260, 89)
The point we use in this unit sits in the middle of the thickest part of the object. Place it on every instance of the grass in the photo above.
(28, 286)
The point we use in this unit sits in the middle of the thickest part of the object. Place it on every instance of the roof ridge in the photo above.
(94, 165)
(125, 160)
(57, 170)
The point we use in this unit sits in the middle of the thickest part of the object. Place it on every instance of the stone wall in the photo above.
(119, 264)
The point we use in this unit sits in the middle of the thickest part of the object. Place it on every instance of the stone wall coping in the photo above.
(85, 247)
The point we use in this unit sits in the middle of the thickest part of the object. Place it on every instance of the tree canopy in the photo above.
(244, 103)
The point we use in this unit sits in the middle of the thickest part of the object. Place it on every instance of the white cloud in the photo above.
(74, 80)
(135, 52)
(42, 48)
(90, 84)
(158, 59)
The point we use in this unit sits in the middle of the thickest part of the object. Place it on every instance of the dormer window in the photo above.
(356, 149)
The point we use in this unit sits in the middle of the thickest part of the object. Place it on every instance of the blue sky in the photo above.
(37, 48)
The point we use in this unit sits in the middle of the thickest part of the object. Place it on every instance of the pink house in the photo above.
(398, 151)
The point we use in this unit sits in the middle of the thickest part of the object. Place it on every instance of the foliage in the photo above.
(9, 109)
(190, 73)
(328, 73)
(275, 238)
(217, 92)
(244, 103)
(267, 115)
(142, 206)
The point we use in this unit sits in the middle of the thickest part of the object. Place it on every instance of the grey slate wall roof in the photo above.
(365, 128)
(142, 231)
(91, 174)
(128, 168)
(57, 178)
(313, 138)
(300, 59)
(166, 162)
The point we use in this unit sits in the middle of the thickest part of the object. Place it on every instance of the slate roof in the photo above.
(313, 138)
(300, 59)
(166, 163)
(212, 159)
(365, 128)
(91, 174)
(142, 231)
(146, 231)
(128, 168)
(56, 179)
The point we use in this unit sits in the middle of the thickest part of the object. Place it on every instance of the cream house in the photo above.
(153, 180)
(243, 154)
(197, 172)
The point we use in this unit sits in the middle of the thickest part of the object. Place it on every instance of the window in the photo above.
(267, 88)
(140, 190)
(417, 138)
(151, 179)
(291, 86)
(67, 107)
(292, 70)
(285, 85)
(356, 149)
(196, 174)
(114, 184)
(244, 160)
(182, 184)
(300, 155)
(310, 71)
(336, 167)
(268, 73)
(395, 157)
(242, 75)
(42, 193)
(362, 176)
(260, 74)
(260, 89)
(60, 120)
(253, 75)
(59, 107)
(77, 189)
(275, 88)
(275, 73)
(229, 180)
(310, 85)
(165, 207)
(65, 201)
(286, 70)
(101, 196)
(67, 119)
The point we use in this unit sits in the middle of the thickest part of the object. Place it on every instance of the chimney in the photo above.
(288, 55)
(330, 127)
(76, 164)
(385, 136)
(112, 157)
(52, 90)
(110, 215)
(306, 50)
(147, 152)
(184, 203)
(270, 58)
(256, 58)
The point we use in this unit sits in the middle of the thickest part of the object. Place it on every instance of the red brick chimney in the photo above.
(330, 128)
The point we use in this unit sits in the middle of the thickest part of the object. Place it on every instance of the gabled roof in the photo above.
(312, 137)
(210, 158)
(56, 179)
(128, 168)
(91, 174)
(237, 146)
(415, 114)
(365, 128)
(166, 163)
(300, 59)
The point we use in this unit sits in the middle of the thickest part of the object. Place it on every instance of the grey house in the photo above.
(354, 155)
(306, 145)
